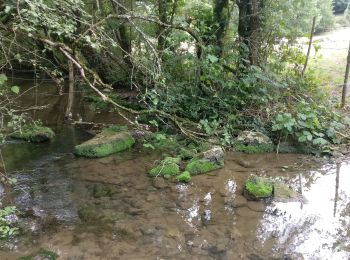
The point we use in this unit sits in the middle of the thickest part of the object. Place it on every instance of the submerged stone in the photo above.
(283, 192)
(256, 188)
(166, 168)
(105, 143)
(34, 133)
(184, 177)
(42, 254)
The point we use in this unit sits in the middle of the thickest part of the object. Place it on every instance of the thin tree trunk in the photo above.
(161, 34)
(71, 90)
(345, 86)
(310, 44)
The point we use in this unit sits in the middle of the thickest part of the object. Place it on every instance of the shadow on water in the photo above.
(109, 208)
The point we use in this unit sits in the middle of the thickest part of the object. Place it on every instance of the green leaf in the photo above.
(3, 79)
(15, 89)
(212, 58)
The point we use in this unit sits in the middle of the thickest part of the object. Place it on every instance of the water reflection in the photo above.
(320, 227)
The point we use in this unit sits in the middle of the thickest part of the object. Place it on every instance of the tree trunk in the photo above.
(68, 114)
(162, 12)
(223, 20)
(249, 26)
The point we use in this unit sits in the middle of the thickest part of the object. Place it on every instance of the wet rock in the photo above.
(206, 217)
(253, 138)
(34, 133)
(214, 154)
(257, 206)
(244, 163)
(256, 188)
(42, 254)
(107, 142)
(160, 183)
(239, 201)
(147, 231)
(282, 192)
(100, 191)
(89, 214)
(253, 142)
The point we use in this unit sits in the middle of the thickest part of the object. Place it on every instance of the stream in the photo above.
(109, 208)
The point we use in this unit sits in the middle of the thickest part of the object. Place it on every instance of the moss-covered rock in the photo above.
(199, 166)
(166, 168)
(109, 141)
(253, 142)
(34, 133)
(256, 188)
(184, 177)
(258, 148)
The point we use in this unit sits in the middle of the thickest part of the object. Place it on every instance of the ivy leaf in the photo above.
(15, 89)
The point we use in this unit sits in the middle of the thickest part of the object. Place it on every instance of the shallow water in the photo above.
(109, 208)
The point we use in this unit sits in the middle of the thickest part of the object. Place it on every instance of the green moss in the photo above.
(258, 187)
(184, 177)
(34, 133)
(115, 129)
(41, 254)
(105, 144)
(187, 153)
(166, 168)
(199, 166)
(261, 148)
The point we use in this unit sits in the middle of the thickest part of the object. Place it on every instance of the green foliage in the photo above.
(258, 187)
(8, 220)
(160, 141)
(310, 123)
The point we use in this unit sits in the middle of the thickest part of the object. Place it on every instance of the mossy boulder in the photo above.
(199, 166)
(109, 141)
(256, 188)
(184, 177)
(253, 142)
(34, 133)
(166, 168)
